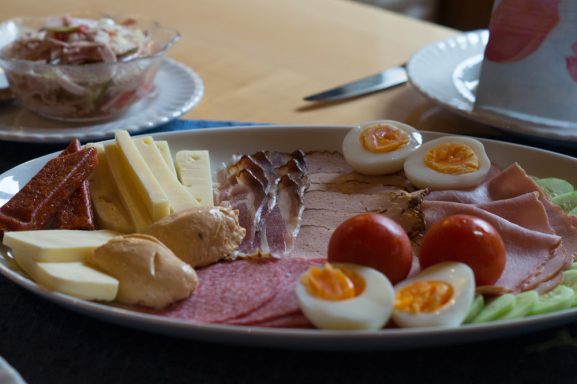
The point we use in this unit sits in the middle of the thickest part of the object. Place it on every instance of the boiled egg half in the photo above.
(450, 162)
(345, 297)
(439, 296)
(380, 147)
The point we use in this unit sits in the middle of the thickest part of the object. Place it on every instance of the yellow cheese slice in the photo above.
(109, 211)
(179, 198)
(56, 245)
(132, 201)
(73, 278)
(193, 169)
(164, 149)
(143, 181)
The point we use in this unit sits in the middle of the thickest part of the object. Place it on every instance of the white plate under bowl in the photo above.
(178, 90)
(447, 72)
(222, 143)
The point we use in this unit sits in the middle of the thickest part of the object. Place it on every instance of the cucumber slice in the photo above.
(476, 307)
(567, 201)
(524, 302)
(496, 309)
(573, 266)
(570, 280)
(554, 186)
(556, 300)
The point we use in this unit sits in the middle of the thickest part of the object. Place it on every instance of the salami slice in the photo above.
(285, 302)
(296, 320)
(227, 291)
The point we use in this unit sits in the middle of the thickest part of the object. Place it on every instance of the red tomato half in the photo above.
(467, 239)
(375, 241)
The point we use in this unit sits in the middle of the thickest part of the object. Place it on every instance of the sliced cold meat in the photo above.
(527, 250)
(502, 193)
(267, 188)
(228, 290)
(284, 307)
(295, 320)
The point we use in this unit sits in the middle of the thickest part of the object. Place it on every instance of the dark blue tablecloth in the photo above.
(49, 344)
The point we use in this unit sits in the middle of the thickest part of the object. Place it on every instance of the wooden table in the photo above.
(258, 58)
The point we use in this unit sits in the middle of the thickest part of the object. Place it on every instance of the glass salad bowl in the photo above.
(82, 67)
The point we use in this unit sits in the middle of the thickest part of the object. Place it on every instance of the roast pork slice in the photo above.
(324, 211)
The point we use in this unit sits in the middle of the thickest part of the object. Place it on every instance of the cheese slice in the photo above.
(139, 215)
(109, 211)
(193, 169)
(56, 245)
(73, 278)
(164, 149)
(143, 181)
(179, 198)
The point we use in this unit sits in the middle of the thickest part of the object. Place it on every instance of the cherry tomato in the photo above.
(467, 239)
(373, 240)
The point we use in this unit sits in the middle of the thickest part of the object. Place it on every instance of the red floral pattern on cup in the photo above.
(518, 27)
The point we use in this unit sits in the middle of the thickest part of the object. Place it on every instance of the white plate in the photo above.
(222, 143)
(178, 89)
(447, 72)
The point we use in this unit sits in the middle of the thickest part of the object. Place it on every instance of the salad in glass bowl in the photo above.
(85, 67)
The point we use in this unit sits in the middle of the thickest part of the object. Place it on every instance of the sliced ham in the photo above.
(527, 250)
(525, 210)
(516, 198)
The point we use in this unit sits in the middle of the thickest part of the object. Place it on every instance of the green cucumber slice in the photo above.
(567, 201)
(556, 300)
(496, 309)
(476, 307)
(573, 266)
(570, 280)
(554, 186)
(524, 302)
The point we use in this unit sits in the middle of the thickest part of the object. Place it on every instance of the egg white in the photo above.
(371, 309)
(370, 163)
(421, 176)
(460, 276)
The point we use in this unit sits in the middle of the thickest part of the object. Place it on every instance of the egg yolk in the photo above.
(332, 283)
(452, 158)
(383, 138)
(424, 296)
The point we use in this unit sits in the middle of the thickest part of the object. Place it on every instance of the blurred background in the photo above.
(464, 15)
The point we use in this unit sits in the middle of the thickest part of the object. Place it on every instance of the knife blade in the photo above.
(390, 77)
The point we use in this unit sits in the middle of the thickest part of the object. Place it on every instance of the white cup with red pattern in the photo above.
(529, 71)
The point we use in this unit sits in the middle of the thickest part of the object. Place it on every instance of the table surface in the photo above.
(258, 58)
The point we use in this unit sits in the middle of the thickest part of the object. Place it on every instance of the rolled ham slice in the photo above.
(515, 197)
(527, 249)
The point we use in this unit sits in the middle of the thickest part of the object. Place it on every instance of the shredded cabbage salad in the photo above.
(79, 69)
(70, 40)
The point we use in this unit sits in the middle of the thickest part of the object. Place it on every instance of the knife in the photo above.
(386, 79)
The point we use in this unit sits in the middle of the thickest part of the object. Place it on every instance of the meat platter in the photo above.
(223, 143)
